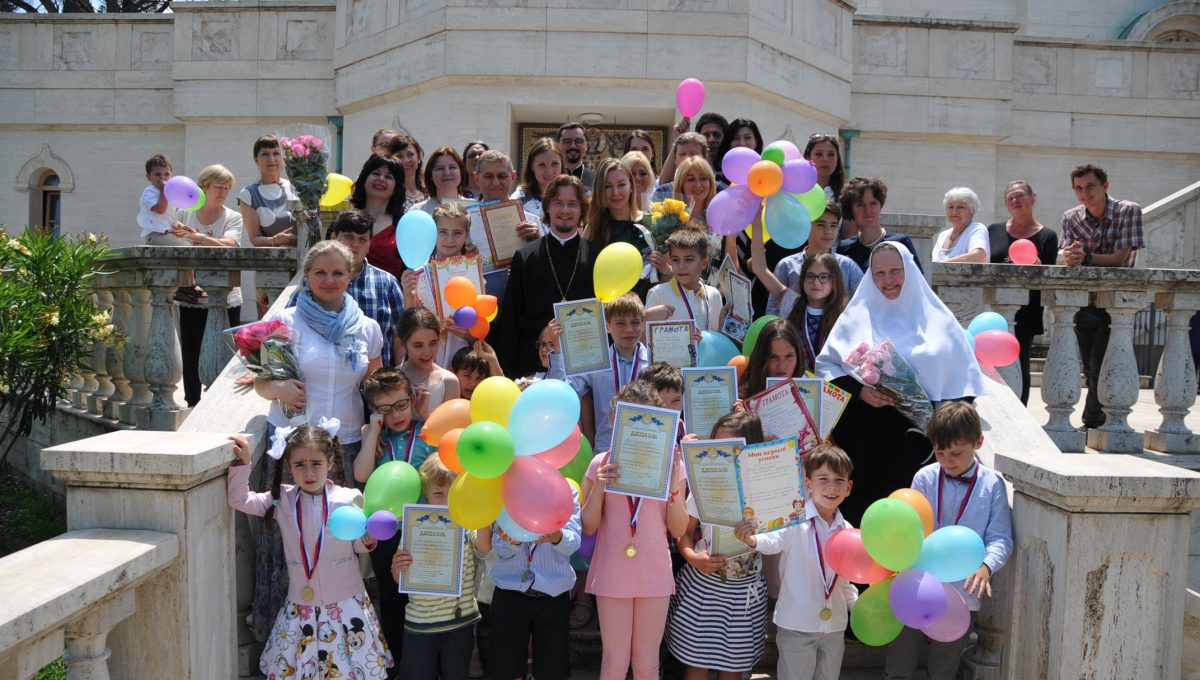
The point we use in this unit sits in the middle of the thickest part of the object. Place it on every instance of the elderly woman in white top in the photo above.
(967, 240)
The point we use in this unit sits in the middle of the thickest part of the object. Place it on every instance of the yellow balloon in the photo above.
(338, 190)
(766, 234)
(493, 399)
(492, 317)
(475, 502)
(618, 268)
(578, 490)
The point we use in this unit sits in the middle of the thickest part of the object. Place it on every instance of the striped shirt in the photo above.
(1121, 227)
(433, 614)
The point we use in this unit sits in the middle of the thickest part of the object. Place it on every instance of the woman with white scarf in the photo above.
(894, 303)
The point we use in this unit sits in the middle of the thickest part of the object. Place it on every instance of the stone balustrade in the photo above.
(1122, 293)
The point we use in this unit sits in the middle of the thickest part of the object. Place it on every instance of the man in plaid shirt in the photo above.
(1100, 232)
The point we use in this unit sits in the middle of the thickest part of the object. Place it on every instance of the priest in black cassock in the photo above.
(555, 268)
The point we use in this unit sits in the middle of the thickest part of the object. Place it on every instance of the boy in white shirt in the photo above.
(160, 223)
(686, 298)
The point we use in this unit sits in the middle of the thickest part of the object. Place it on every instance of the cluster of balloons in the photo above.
(390, 487)
(992, 343)
(472, 312)
(337, 189)
(779, 182)
(911, 569)
(718, 349)
(184, 193)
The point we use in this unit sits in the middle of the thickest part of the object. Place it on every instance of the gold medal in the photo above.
(631, 551)
(307, 594)
(826, 614)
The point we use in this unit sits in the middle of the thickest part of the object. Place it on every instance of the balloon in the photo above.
(563, 452)
(577, 489)
(493, 400)
(537, 496)
(752, 333)
(448, 450)
(849, 559)
(920, 503)
(543, 416)
(788, 220)
(774, 154)
(872, 619)
(731, 210)
(750, 233)
(200, 201)
(955, 622)
(814, 200)
(799, 176)
(447, 416)
(466, 317)
(987, 321)
(740, 362)
(791, 152)
(587, 546)
(509, 526)
(337, 190)
(952, 553)
(460, 292)
(392, 486)
(577, 468)
(917, 598)
(716, 349)
(765, 178)
(1022, 251)
(997, 348)
(481, 329)
(382, 525)
(689, 97)
(181, 191)
(618, 268)
(737, 163)
(347, 523)
(486, 306)
(892, 533)
(475, 502)
(485, 449)
(416, 236)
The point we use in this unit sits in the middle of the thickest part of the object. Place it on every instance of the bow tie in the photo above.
(965, 479)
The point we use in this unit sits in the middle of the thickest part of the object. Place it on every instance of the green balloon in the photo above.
(578, 466)
(390, 487)
(752, 334)
(813, 200)
(892, 533)
(872, 619)
(774, 154)
(486, 449)
(199, 202)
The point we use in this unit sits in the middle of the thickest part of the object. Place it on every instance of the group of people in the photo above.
(378, 362)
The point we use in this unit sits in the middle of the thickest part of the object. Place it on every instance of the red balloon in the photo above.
(537, 496)
(996, 348)
(850, 560)
(563, 452)
(1022, 251)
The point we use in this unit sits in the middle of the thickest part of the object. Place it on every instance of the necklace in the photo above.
(562, 293)
(882, 233)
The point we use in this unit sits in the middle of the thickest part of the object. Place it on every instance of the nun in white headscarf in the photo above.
(894, 303)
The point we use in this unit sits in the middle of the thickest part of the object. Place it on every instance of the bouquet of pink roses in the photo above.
(268, 350)
(305, 158)
(883, 368)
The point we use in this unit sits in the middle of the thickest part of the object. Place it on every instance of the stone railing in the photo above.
(1172, 226)
(1122, 293)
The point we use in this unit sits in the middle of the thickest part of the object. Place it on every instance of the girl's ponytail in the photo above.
(276, 481)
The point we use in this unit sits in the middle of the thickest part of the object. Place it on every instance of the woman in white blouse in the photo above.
(966, 240)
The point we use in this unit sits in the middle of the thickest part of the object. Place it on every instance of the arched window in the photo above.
(46, 177)
(49, 215)
(1177, 22)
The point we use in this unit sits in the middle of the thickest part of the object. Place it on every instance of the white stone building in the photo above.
(931, 94)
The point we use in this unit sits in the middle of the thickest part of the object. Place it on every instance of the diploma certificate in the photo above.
(437, 547)
(833, 403)
(643, 445)
(708, 394)
(770, 484)
(432, 278)
(726, 544)
(500, 220)
(584, 341)
(810, 392)
(672, 342)
(783, 414)
(712, 477)
(741, 312)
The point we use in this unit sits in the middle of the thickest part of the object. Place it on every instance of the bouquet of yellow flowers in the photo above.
(664, 218)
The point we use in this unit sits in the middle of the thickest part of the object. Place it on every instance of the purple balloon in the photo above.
(955, 622)
(465, 317)
(181, 192)
(917, 598)
(732, 210)
(798, 176)
(737, 162)
(587, 545)
(382, 525)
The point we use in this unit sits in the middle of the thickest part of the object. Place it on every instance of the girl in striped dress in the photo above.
(718, 617)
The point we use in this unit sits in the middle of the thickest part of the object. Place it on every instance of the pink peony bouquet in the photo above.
(883, 368)
(306, 159)
(268, 350)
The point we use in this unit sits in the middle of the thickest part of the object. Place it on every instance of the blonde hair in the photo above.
(637, 158)
(214, 173)
(434, 474)
(681, 173)
(328, 248)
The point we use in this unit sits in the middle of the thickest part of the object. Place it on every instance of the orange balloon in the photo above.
(448, 450)
(480, 330)
(920, 503)
(740, 362)
(765, 178)
(460, 292)
(446, 417)
(485, 306)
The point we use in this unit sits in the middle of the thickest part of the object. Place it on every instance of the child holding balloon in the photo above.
(420, 335)
(966, 493)
(328, 620)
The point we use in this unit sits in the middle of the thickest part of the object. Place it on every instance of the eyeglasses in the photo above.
(573, 142)
(817, 278)
(384, 409)
(542, 345)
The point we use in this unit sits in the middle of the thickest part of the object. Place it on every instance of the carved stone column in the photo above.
(87, 371)
(1006, 302)
(100, 352)
(87, 639)
(215, 351)
(1060, 377)
(1118, 379)
(164, 365)
(134, 357)
(273, 283)
(1175, 381)
(115, 358)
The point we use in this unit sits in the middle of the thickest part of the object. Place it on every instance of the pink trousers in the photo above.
(631, 630)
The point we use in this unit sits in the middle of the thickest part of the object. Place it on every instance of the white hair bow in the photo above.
(279, 439)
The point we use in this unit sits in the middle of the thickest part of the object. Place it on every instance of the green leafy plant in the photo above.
(48, 323)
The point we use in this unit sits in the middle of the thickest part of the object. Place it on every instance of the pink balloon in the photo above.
(732, 210)
(850, 560)
(955, 622)
(996, 348)
(791, 152)
(798, 176)
(689, 97)
(537, 496)
(737, 163)
(1022, 251)
(563, 452)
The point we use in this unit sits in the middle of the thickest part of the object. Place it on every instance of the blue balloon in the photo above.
(970, 340)
(514, 530)
(416, 237)
(951, 553)
(544, 415)
(787, 220)
(987, 321)
(348, 523)
(716, 349)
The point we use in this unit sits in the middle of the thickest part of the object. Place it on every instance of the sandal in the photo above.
(187, 295)
(582, 613)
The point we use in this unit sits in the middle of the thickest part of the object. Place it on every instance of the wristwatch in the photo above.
(1087, 259)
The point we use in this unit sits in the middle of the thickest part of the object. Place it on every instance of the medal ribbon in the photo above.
(412, 437)
(966, 498)
(683, 294)
(635, 507)
(309, 571)
(617, 369)
(821, 561)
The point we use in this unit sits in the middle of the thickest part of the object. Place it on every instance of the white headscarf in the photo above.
(923, 330)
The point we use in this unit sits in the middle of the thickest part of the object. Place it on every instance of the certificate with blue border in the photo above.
(643, 446)
(770, 484)
(584, 339)
(708, 394)
(712, 478)
(436, 543)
